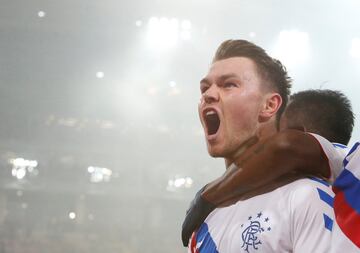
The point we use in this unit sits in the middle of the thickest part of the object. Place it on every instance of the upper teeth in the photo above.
(210, 112)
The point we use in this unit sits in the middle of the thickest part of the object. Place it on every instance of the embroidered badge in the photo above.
(255, 226)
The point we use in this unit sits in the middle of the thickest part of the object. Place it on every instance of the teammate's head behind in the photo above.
(324, 112)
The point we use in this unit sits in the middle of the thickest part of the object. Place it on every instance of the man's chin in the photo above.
(215, 153)
(221, 153)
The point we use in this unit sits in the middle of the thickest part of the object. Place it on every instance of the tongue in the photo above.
(213, 123)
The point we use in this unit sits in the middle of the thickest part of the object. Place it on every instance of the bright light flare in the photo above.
(174, 89)
(21, 162)
(292, 47)
(19, 173)
(41, 14)
(179, 182)
(91, 169)
(164, 33)
(98, 174)
(21, 167)
(100, 74)
(72, 215)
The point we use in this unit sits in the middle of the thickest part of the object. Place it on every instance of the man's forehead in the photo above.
(232, 63)
(240, 67)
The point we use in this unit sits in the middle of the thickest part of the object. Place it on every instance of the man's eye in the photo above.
(203, 89)
(229, 85)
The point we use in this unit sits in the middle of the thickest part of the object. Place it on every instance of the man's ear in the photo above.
(271, 106)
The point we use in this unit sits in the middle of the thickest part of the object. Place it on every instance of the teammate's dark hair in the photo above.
(270, 69)
(325, 112)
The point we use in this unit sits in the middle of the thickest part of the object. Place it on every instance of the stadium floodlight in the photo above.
(100, 74)
(41, 14)
(292, 47)
(22, 167)
(179, 182)
(98, 174)
(72, 215)
(164, 33)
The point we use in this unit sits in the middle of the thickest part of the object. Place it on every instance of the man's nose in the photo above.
(211, 95)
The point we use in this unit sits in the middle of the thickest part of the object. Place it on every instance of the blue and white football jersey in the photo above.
(335, 153)
(344, 164)
(347, 201)
(297, 218)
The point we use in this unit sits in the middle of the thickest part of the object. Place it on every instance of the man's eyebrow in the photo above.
(230, 75)
(221, 78)
(205, 81)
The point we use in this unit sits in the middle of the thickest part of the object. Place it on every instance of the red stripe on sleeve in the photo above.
(193, 248)
(347, 218)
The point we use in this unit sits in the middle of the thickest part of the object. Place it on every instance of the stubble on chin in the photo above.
(219, 153)
(215, 152)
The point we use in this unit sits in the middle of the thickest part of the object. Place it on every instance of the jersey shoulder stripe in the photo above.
(324, 196)
(328, 222)
(321, 181)
(352, 161)
(351, 154)
(339, 145)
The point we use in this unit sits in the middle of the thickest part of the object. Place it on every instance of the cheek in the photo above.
(245, 118)
(245, 111)
(242, 121)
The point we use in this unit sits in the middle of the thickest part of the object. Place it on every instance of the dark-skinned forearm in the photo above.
(289, 151)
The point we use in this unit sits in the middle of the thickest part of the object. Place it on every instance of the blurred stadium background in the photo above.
(101, 149)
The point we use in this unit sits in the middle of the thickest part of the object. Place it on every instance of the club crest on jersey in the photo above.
(252, 229)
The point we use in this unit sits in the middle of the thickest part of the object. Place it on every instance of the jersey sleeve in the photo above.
(347, 198)
(312, 217)
(335, 154)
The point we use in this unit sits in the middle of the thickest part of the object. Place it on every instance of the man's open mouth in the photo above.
(212, 122)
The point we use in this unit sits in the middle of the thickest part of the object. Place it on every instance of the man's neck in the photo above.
(265, 131)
